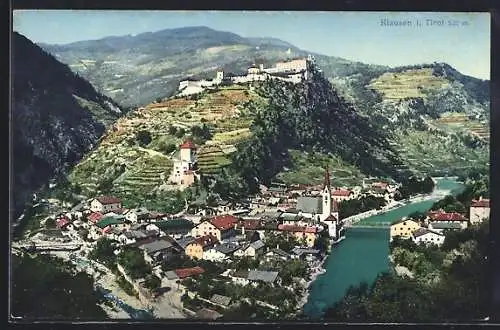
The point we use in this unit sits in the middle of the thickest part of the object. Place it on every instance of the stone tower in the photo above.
(219, 76)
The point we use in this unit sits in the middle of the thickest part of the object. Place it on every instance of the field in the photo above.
(460, 122)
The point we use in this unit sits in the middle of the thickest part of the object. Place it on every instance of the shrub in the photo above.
(144, 138)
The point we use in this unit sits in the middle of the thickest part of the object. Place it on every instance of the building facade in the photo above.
(105, 204)
(479, 211)
(404, 229)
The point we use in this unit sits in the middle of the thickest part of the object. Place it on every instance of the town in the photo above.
(188, 263)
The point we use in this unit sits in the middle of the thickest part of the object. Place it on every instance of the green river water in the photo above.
(362, 255)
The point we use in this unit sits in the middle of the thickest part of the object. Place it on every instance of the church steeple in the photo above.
(327, 179)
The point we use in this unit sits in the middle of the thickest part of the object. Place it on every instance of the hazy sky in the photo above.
(358, 36)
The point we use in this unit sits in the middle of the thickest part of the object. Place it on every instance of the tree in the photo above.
(168, 148)
(152, 282)
(104, 251)
(83, 233)
(172, 130)
(45, 287)
(144, 138)
(180, 133)
(132, 259)
(50, 223)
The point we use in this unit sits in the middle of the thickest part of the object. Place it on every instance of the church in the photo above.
(322, 209)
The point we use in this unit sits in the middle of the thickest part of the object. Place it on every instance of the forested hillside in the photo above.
(56, 118)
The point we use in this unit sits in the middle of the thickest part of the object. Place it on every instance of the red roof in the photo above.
(186, 272)
(341, 192)
(443, 216)
(61, 222)
(379, 184)
(205, 241)
(224, 222)
(95, 217)
(480, 203)
(293, 228)
(108, 200)
(250, 224)
(187, 145)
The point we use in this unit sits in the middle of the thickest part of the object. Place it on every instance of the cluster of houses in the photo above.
(294, 71)
(431, 230)
(160, 236)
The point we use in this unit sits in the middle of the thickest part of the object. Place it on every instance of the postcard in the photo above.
(250, 166)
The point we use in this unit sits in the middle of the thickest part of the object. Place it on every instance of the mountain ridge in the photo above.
(56, 118)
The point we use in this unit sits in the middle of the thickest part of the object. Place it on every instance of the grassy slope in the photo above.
(410, 83)
(138, 171)
(310, 169)
(427, 151)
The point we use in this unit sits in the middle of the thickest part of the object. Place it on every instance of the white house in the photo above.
(427, 236)
(340, 195)
(220, 253)
(105, 204)
(443, 219)
(479, 211)
(136, 215)
(250, 250)
(240, 277)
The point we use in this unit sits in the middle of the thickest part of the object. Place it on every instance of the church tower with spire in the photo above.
(326, 197)
(329, 214)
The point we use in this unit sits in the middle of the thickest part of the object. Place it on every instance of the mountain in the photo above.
(424, 119)
(57, 117)
(136, 70)
(276, 131)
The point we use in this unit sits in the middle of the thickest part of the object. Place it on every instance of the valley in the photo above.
(227, 203)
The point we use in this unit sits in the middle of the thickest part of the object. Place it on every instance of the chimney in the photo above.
(261, 67)
(243, 230)
(277, 246)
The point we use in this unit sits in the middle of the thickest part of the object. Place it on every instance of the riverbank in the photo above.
(318, 270)
(396, 204)
(364, 254)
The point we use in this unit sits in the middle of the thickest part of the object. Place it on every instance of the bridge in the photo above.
(386, 224)
(47, 246)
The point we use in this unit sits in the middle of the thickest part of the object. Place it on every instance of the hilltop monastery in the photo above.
(294, 71)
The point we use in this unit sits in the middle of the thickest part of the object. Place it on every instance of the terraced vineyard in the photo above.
(146, 174)
(460, 122)
(407, 84)
(211, 158)
(132, 170)
(429, 152)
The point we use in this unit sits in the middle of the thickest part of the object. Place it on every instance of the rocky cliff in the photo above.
(56, 118)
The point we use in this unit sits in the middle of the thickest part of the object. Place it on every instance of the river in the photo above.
(363, 254)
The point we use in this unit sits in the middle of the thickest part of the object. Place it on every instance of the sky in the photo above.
(358, 36)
